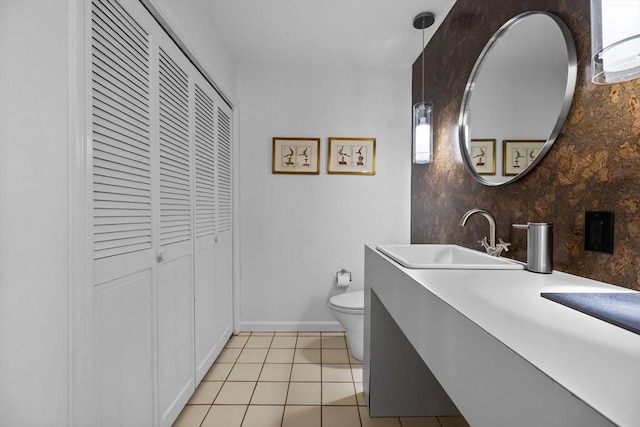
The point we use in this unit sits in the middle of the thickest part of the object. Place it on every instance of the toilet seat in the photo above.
(349, 302)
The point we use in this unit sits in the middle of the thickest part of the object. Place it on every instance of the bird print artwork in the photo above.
(305, 157)
(480, 156)
(288, 158)
(352, 156)
(295, 155)
(516, 158)
(360, 161)
(343, 155)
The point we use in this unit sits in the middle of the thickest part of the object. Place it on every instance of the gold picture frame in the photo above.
(352, 156)
(296, 156)
(518, 154)
(483, 156)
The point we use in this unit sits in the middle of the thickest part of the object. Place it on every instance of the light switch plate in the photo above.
(598, 231)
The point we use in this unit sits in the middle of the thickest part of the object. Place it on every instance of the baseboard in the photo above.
(328, 326)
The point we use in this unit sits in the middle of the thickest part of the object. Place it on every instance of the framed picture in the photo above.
(483, 156)
(518, 154)
(354, 156)
(296, 155)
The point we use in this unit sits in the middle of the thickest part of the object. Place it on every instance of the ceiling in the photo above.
(374, 32)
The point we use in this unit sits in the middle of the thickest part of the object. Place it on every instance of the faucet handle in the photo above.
(503, 245)
(484, 243)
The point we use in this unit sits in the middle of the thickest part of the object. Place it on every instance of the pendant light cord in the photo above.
(422, 63)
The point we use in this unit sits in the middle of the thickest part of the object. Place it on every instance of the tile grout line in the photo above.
(321, 378)
(286, 397)
(246, 411)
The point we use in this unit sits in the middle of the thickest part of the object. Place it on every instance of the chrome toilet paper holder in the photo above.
(341, 273)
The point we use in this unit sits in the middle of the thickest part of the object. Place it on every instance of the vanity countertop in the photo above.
(594, 360)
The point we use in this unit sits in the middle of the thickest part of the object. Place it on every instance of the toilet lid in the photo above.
(349, 300)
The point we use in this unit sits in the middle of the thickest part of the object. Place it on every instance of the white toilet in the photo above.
(348, 309)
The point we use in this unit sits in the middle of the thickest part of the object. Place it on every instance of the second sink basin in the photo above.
(436, 256)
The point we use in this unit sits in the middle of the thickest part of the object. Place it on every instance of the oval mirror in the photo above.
(517, 98)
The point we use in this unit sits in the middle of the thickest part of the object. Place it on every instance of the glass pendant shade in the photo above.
(422, 133)
(615, 40)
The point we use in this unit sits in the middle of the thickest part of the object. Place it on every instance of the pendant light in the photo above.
(615, 40)
(422, 111)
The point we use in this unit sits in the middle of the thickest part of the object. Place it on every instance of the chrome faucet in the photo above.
(490, 247)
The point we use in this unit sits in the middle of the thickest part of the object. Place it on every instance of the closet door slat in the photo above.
(121, 133)
(108, 133)
(175, 168)
(205, 181)
(113, 15)
(224, 171)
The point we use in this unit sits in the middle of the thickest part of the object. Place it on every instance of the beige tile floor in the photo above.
(305, 379)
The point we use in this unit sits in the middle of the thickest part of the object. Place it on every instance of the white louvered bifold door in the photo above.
(162, 219)
(224, 246)
(206, 337)
(122, 214)
(175, 268)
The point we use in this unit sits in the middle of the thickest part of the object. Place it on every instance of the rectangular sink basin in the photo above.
(436, 256)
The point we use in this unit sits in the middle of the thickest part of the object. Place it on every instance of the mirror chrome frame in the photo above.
(463, 127)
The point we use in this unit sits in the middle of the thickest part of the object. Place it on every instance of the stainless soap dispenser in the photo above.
(539, 246)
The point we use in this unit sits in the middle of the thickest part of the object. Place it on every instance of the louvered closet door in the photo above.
(213, 250)
(206, 336)
(123, 258)
(175, 229)
(161, 153)
(224, 247)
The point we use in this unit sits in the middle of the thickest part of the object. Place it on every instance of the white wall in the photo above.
(34, 139)
(297, 231)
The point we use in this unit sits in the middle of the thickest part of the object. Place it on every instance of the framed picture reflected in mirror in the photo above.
(483, 156)
(518, 154)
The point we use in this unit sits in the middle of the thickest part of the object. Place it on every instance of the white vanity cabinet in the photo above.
(485, 343)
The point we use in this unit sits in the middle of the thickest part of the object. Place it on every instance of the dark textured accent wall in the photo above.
(594, 164)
